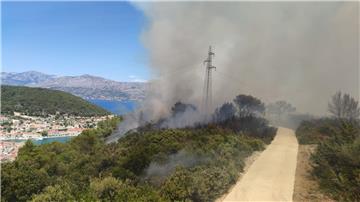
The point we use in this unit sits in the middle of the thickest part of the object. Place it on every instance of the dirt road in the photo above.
(271, 177)
(306, 188)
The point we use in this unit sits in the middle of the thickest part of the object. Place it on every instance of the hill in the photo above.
(85, 86)
(191, 164)
(24, 78)
(39, 101)
(93, 87)
(151, 163)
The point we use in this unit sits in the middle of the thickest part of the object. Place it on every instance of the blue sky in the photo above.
(74, 38)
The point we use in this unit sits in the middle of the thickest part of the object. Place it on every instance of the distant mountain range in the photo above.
(24, 78)
(85, 86)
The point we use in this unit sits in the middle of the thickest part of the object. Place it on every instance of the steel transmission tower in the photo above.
(207, 97)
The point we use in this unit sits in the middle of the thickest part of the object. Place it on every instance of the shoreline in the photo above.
(35, 138)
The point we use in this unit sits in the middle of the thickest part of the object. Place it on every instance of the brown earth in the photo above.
(306, 188)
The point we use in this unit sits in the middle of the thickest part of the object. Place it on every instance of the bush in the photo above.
(179, 186)
(316, 130)
(337, 164)
(251, 126)
(112, 189)
(337, 158)
(201, 164)
(38, 169)
(54, 193)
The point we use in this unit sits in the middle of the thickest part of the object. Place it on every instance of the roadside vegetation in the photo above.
(197, 163)
(41, 102)
(336, 161)
(282, 113)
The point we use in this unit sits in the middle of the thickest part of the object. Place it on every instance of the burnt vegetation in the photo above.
(245, 116)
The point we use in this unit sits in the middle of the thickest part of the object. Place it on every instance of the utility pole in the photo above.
(207, 98)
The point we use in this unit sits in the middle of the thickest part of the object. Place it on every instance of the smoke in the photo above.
(302, 52)
(158, 171)
(180, 120)
(182, 115)
(130, 121)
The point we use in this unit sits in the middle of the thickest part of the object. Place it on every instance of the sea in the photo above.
(46, 140)
(117, 107)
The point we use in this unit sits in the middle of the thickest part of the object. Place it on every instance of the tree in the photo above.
(179, 186)
(54, 193)
(106, 189)
(20, 181)
(44, 133)
(112, 189)
(343, 106)
(280, 108)
(225, 112)
(249, 106)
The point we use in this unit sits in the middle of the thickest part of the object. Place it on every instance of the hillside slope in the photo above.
(194, 164)
(39, 101)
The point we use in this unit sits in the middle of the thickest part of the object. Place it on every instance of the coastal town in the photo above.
(17, 128)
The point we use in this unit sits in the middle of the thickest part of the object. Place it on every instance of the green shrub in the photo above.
(316, 130)
(337, 166)
(56, 193)
(337, 158)
(179, 186)
(202, 163)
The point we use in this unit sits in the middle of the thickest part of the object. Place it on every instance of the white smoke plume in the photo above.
(180, 120)
(302, 52)
(158, 171)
